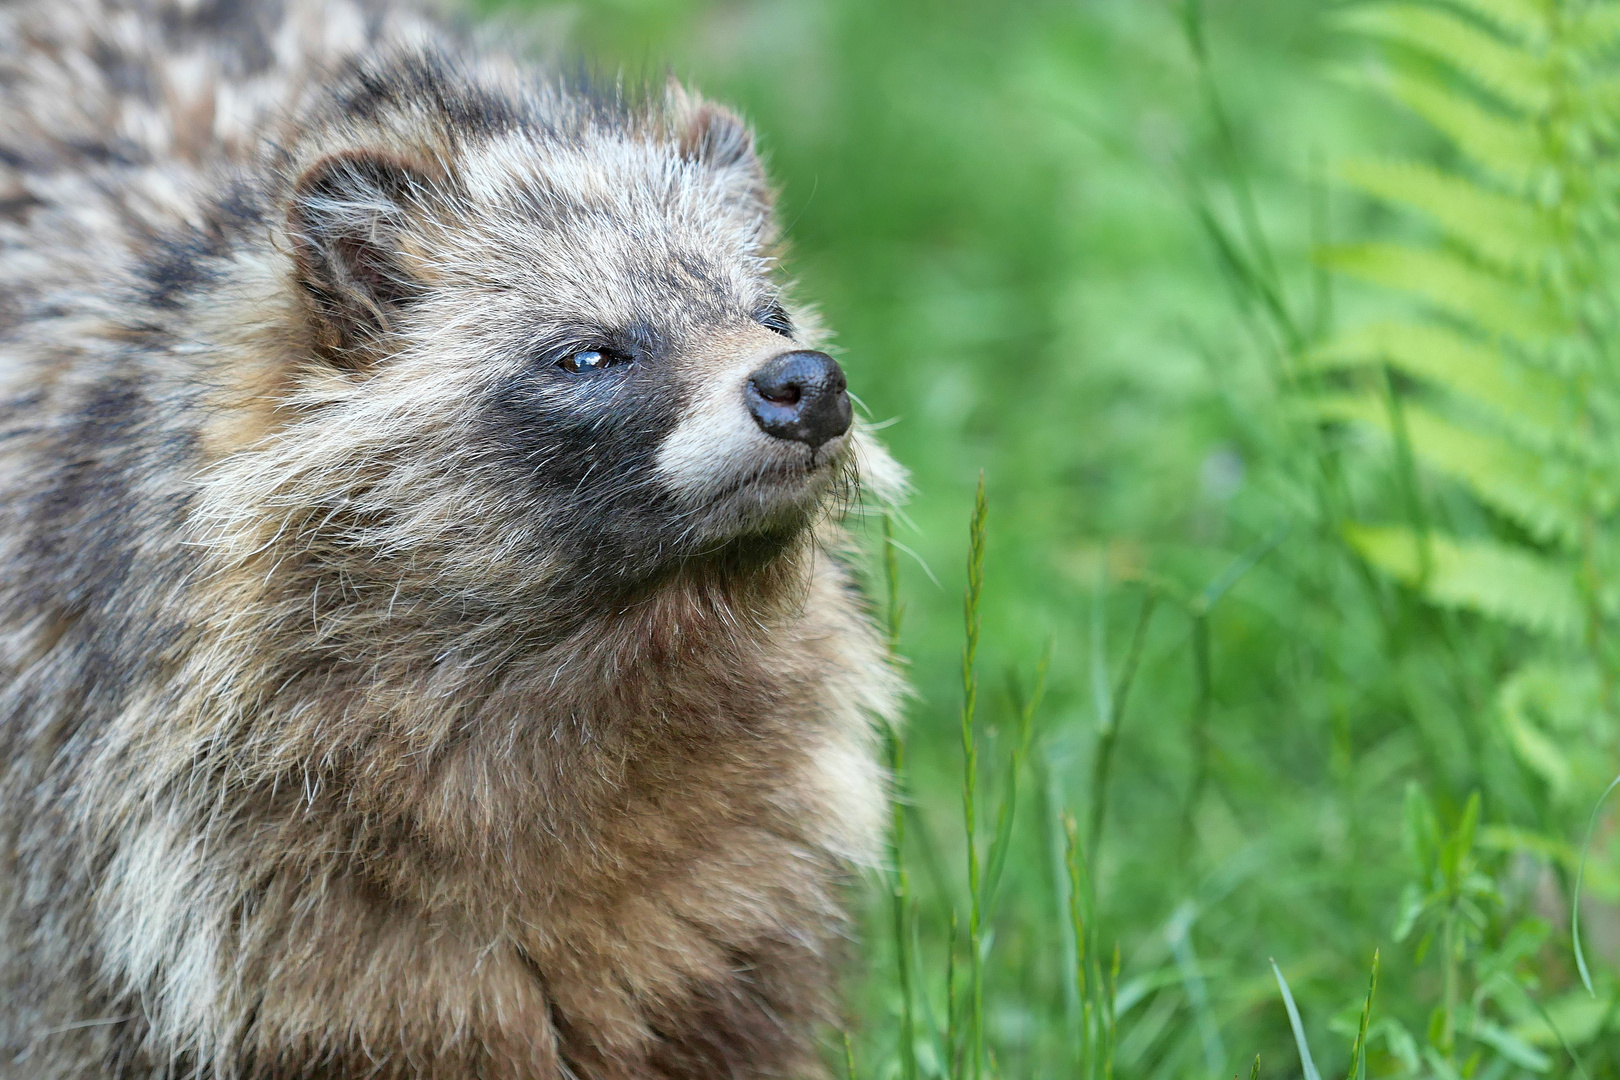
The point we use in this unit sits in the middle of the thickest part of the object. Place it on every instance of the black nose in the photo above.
(800, 396)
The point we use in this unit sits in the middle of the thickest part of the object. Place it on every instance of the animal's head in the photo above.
(547, 340)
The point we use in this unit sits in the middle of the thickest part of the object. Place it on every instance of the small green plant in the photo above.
(961, 1051)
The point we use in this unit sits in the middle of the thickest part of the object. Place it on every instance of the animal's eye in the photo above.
(589, 360)
(774, 317)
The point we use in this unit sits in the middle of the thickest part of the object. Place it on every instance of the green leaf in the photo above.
(1540, 753)
(1420, 831)
(1450, 283)
(1461, 842)
(1501, 229)
(1509, 1045)
(1412, 906)
(1516, 76)
(1498, 143)
(1531, 401)
(1601, 881)
(1493, 579)
(1578, 1016)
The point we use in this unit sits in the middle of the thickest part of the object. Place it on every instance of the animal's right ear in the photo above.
(346, 220)
(719, 138)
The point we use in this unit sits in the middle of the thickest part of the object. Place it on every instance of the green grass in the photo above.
(1282, 339)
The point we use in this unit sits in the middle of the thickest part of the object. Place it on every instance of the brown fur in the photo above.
(375, 701)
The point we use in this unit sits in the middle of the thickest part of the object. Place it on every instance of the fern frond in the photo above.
(1518, 483)
(1597, 28)
(1523, 18)
(1530, 488)
(1541, 753)
(1493, 579)
(1520, 311)
(1500, 145)
(1365, 410)
(1509, 72)
(1599, 99)
(1504, 230)
(1529, 401)
(1451, 284)
(1566, 698)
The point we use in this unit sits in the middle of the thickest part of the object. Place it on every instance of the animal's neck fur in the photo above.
(439, 713)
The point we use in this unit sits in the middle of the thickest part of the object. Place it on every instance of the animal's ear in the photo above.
(719, 138)
(346, 220)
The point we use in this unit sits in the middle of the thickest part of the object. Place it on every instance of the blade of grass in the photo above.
(938, 1034)
(1178, 934)
(1558, 1033)
(1111, 996)
(1053, 823)
(1109, 737)
(1101, 686)
(1358, 1052)
(1223, 582)
(1203, 688)
(893, 610)
(1580, 876)
(1007, 811)
(1203, 698)
(1192, 22)
(1077, 923)
(1299, 1028)
(951, 1029)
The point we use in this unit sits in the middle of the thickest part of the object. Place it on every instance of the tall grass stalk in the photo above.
(899, 882)
(1102, 764)
(970, 780)
(1026, 707)
(1094, 987)
(1358, 1052)
(1077, 923)
(952, 1029)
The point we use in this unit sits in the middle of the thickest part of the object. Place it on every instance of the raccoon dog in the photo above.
(424, 646)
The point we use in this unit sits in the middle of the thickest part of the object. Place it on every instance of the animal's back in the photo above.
(116, 119)
(123, 126)
(115, 116)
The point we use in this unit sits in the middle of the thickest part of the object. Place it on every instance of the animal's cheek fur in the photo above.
(715, 437)
(719, 464)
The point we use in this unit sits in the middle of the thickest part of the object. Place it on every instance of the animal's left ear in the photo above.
(719, 138)
(348, 216)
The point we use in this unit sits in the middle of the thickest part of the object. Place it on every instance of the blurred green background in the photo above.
(1085, 247)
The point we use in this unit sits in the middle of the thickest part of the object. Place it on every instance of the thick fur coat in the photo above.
(381, 692)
